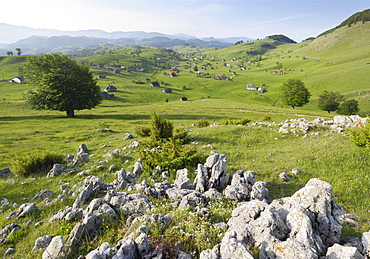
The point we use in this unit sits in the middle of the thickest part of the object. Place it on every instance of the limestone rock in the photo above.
(55, 171)
(343, 252)
(182, 180)
(55, 249)
(231, 247)
(42, 242)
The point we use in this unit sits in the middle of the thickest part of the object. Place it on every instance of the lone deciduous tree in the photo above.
(60, 84)
(294, 93)
(329, 101)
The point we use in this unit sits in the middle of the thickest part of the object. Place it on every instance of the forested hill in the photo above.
(357, 17)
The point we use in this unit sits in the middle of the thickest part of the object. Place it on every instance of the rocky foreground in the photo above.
(306, 225)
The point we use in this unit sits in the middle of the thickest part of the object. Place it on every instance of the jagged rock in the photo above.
(104, 251)
(285, 176)
(128, 136)
(231, 247)
(218, 178)
(4, 202)
(55, 171)
(292, 248)
(69, 214)
(259, 191)
(5, 172)
(84, 196)
(255, 222)
(299, 223)
(213, 194)
(42, 242)
(201, 179)
(121, 175)
(182, 180)
(82, 149)
(237, 192)
(43, 194)
(75, 236)
(183, 255)
(10, 251)
(365, 242)
(23, 211)
(130, 204)
(208, 254)
(353, 241)
(55, 249)
(138, 167)
(343, 252)
(126, 248)
(296, 171)
(9, 228)
(143, 245)
(192, 199)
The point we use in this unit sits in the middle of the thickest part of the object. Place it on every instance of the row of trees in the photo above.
(295, 94)
(10, 53)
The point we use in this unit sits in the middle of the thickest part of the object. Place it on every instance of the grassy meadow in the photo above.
(323, 64)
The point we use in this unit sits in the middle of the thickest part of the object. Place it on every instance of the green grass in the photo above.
(331, 65)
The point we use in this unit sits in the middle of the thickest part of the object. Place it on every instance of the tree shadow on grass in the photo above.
(115, 116)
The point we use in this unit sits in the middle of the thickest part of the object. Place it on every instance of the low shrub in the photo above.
(360, 135)
(36, 163)
(203, 123)
(142, 131)
(170, 154)
(243, 121)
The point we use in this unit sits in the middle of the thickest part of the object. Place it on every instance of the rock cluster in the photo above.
(337, 124)
(306, 225)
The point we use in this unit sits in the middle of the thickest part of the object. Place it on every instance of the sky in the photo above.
(297, 19)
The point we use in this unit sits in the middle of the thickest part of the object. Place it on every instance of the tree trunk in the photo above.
(292, 107)
(71, 114)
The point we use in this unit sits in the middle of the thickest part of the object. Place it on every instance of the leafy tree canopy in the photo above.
(60, 84)
(348, 107)
(329, 101)
(294, 93)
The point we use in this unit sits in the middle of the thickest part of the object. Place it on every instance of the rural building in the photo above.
(102, 76)
(251, 87)
(156, 84)
(101, 65)
(111, 88)
(167, 90)
(261, 90)
(183, 99)
(17, 79)
(106, 96)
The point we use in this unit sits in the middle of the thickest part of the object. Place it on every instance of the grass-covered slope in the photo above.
(337, 61)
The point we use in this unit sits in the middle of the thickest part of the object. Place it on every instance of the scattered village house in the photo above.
(106, 96)
(167, 90)
(156, 84)
(111, 88)
(102, 76)
(17, 79)
(251, 87)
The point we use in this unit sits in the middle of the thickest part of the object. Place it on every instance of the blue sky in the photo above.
(297, 19)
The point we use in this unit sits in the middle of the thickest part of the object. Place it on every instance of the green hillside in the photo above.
(336, 61)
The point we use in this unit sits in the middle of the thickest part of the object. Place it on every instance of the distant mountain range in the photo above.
(33, 41)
